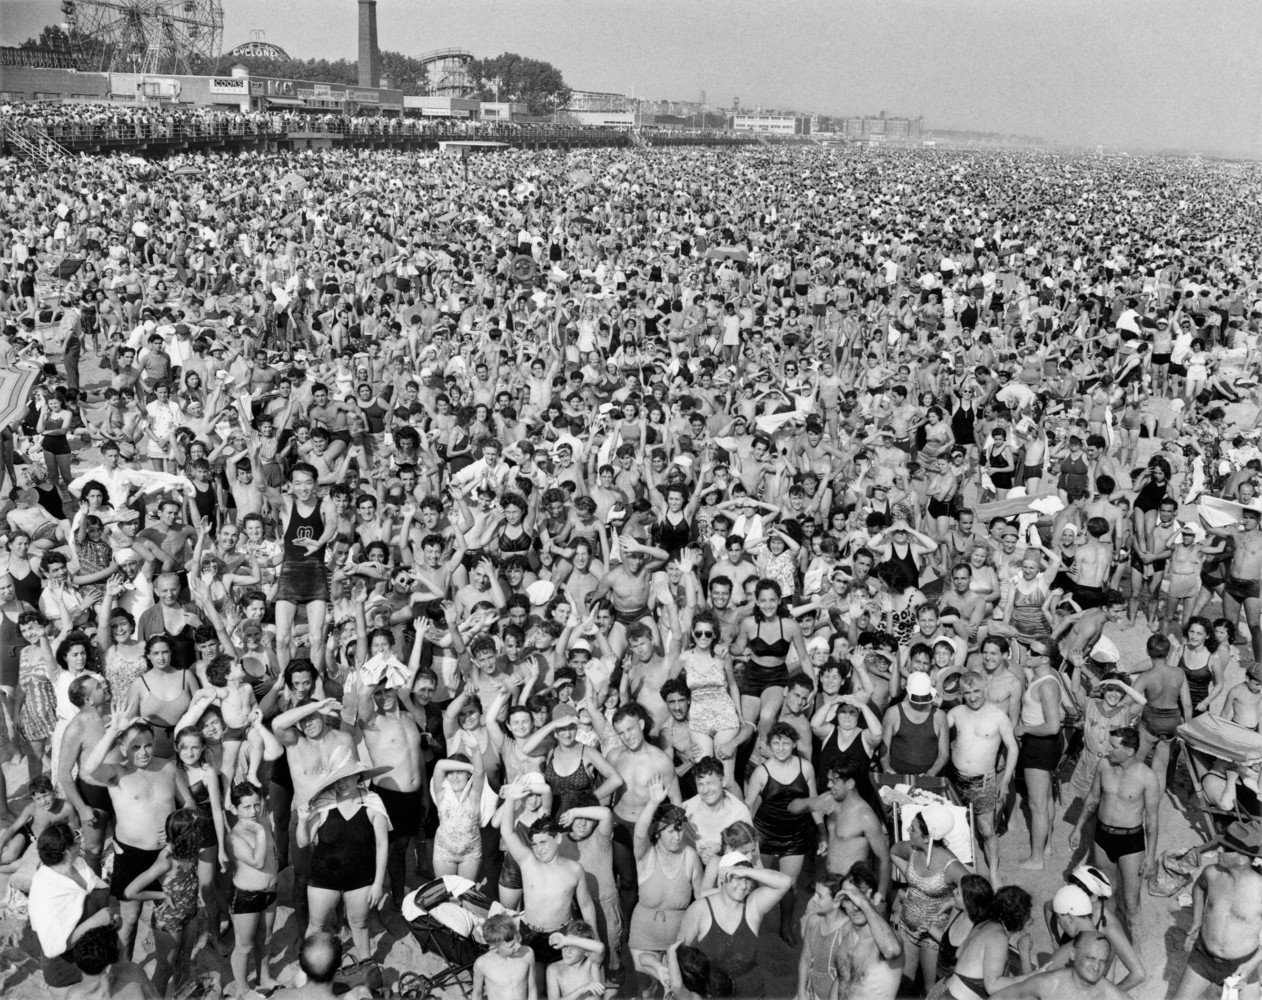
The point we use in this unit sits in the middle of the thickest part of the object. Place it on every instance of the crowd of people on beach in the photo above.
(674, 546)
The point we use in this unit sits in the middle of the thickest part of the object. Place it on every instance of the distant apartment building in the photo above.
(769, 123)
(879, 128)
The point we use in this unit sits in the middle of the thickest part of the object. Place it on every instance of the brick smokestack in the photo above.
(369, 58)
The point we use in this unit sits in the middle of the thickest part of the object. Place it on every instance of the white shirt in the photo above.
(56, 905)
(706, 824)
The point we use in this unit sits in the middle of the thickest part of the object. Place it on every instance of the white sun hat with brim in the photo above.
(345, 764)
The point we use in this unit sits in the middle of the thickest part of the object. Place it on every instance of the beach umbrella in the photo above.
(15, 387)
(735, 253)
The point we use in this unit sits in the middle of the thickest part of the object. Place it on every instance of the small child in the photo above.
(175, 900)
(578, 973)
(252, 902)
(234, 695)
(44, 809)
(507, 970)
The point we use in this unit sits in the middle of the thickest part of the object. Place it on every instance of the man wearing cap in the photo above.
(1223, 940)
(982, 729)
(1127, 796)
(915, 733)
(1243, 588)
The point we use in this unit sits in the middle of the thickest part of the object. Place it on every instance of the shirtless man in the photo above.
(1084, 980)
(1148, 566)
(310, 734)
(1093, 564)
(143, 792)
(1080, 631)
(869, 950)
(628, 585)
(1003, 687)
(644, 672)
(638, 762)
(1164, 685)
(960, 607)
(675, 735)
(551, 884)
(319, 958)
(176, 540)
(1244, 701)
(1128, 796)
(393, 739)
(1243, 588)
(852, 832)
(1226, 926)
(981, 730)
(89, 797)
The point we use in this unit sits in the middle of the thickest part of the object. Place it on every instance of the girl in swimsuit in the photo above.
(175, 905)
(456, 790)
(200, 780)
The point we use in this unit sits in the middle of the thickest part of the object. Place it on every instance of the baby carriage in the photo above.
(446, 917)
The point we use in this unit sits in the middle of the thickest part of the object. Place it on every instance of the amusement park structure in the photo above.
(144, 36)
(448, 72)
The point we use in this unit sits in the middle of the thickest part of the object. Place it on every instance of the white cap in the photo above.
(1093, 880)
(1070, 901)
(920, 686)
(732, 859)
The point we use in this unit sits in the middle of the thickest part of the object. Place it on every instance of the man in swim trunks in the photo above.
(1084, 980)
(1226, 925)
(1164, 686)
(981, 730)
(143, 791)
(89, 693)
(1124, 799)
(628, 583)
(1243, 588)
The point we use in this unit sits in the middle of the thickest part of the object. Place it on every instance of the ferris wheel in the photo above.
(145, 36)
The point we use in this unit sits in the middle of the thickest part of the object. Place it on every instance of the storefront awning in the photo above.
(285, 102)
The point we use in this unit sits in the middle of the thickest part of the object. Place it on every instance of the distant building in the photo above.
(879, 128)
(595, 100)
(769, 123)
(258, 49)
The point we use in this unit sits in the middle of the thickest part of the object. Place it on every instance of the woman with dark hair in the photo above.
(67, 900)
(124, 656)
(974, 899)
(668, 872)
(714, 717)
(768, 635)
(786, 835)
(687, 974)
(162, 694)
(1203, 662)
(983, 956)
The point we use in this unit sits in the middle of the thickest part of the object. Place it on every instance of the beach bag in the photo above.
(365, 975)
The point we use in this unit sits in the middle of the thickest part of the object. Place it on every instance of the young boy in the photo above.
(44, 809)
(253, 900)
(507, 970)
(230, 689)
(578, 973)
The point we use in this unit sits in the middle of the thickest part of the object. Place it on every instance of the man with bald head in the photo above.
(170, 616)
(1084, 980)
(319, 959)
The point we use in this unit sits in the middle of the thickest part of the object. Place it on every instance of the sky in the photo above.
(1131, 74)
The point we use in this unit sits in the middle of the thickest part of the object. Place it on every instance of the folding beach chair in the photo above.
(1205, 739)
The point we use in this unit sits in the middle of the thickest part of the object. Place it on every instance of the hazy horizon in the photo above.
(1135, 74)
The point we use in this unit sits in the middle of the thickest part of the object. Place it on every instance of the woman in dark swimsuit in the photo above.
(673, 529)
(515, 537)
(768, 634)
(23, 569)
(1203, 664)
(785, 837)
(570, 766)
(744, 897)
(843, 740)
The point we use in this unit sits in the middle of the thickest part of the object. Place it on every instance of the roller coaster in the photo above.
(448, 72)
